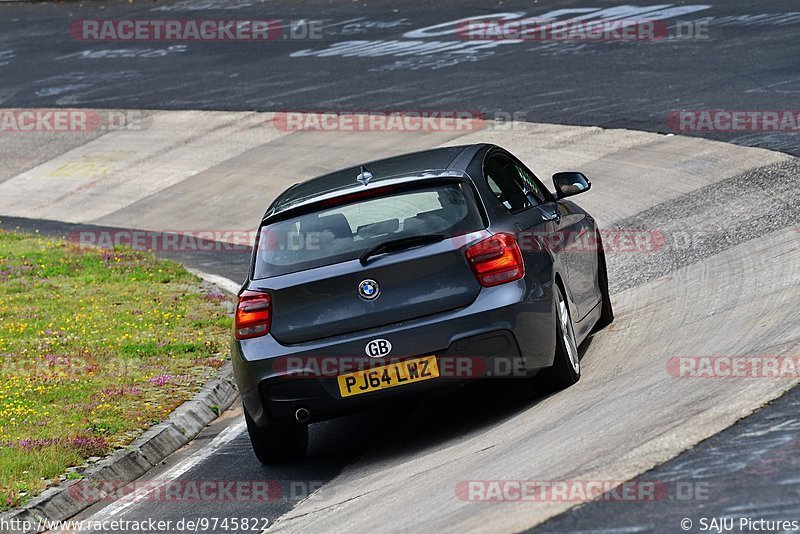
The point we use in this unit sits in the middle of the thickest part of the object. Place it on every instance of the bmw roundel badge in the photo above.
(369, 289)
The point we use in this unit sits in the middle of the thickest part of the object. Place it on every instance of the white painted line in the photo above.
(226, 436)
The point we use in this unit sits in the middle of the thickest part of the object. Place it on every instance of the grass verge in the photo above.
(95, 346)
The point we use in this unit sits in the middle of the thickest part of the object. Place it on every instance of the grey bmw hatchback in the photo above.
(410, 273)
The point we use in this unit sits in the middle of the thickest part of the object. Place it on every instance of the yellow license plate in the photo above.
(388, 376)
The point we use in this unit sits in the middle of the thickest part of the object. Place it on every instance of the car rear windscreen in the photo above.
(344, 232)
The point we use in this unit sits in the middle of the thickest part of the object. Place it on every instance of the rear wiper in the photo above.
(399, 244)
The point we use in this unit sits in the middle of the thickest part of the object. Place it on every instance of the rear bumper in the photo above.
(507, 328)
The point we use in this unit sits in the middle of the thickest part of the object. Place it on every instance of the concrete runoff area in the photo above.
(199, 170)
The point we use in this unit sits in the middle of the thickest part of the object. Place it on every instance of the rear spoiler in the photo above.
(375, 187)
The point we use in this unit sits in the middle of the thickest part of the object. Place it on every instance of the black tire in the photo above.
(277, 443)
(606, 310)
(566, 370)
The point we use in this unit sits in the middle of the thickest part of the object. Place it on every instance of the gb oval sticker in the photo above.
(378, 348)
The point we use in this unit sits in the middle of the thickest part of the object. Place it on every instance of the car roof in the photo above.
(411, 164)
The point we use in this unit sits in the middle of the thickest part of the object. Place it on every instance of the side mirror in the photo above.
(570, 183)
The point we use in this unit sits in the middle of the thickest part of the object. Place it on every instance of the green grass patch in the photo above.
(95, 346)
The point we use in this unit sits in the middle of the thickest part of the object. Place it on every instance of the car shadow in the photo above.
(409, 425)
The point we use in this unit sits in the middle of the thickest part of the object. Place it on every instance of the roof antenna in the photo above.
(364, 176)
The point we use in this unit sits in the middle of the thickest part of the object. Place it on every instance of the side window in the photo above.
(505, 182)
(530, 183)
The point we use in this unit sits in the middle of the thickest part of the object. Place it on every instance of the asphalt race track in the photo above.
(747, 62)
(717, 275)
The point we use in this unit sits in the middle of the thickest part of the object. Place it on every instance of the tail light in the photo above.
(253, 315)
(496, 260)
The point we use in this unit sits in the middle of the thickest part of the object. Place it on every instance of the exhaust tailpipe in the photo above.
(302, 415)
